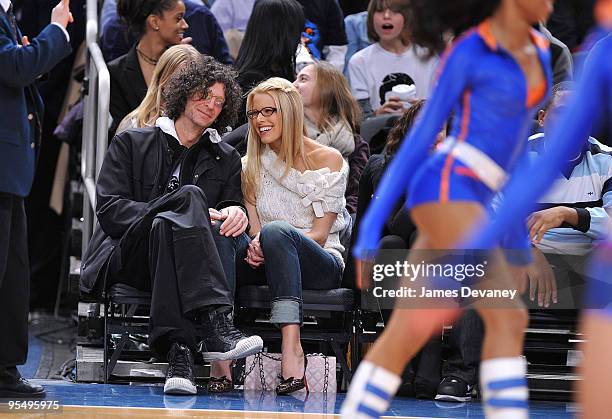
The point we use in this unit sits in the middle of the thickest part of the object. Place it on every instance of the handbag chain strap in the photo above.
(270, 356)
(326, 378)
(262, 377)
(245, 372)
(258, 360)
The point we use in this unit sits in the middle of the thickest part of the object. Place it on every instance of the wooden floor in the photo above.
(95, 412)
(80, 400)
(74, 412)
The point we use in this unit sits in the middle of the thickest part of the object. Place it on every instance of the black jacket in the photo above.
(127, 86)
(399, 222)
(133, 179)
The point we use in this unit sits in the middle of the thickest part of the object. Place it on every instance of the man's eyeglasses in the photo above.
(267, 111)
(208, 96)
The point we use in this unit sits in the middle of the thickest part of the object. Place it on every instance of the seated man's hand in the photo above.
(540, 222)
(519, 277)
(255, 256)
(541, 280)
(235, 220)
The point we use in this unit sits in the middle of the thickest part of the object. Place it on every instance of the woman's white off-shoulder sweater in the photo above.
(300, 197)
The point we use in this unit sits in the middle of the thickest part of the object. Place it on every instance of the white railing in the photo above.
(95, 119)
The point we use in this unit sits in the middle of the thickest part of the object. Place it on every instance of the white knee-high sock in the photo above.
(370, 393)
(504, 388)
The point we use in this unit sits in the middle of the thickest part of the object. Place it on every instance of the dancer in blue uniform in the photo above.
(494, 77)
(591, 105)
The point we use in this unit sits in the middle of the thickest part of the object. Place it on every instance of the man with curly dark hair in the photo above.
(197, 83)
(170, 217)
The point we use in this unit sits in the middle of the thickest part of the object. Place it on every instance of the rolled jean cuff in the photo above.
(286, 310)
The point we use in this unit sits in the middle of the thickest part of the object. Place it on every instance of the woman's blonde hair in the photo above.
(290, 111)
(151, 106)
(334, 98)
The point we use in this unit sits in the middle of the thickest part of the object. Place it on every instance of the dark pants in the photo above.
(571, 275)
(183, 260)
(465, 348)
(293, 262)
(14, 281)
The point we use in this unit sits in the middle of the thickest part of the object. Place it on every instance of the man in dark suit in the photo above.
(21, 63)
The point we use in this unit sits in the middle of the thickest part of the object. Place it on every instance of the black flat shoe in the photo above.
(289, 385)
(219, 385)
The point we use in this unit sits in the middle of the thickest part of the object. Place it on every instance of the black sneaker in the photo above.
(179, 376)
(452, 389)
(424, 389)
(222, 341)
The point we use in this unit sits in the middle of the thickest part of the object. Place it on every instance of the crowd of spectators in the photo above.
(303, 178)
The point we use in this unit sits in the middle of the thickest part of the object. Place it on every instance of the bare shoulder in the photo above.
(323, 156)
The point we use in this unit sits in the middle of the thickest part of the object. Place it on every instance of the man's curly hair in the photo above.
(196, 78)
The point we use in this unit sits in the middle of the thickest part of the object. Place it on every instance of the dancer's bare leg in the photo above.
(594, 388)
(503, 368)
(440, 226)
(407, 331)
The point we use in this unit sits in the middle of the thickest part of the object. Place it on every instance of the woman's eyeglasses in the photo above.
(267, 111)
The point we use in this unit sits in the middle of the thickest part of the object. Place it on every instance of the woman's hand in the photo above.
(255, 256)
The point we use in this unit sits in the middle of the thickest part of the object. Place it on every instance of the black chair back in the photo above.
(237, 138)
(375, 130)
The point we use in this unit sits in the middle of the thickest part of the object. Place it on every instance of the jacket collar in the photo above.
(540, 146)
(568, 167)
(131, 59)
(4, 17)
(484, 31)
(167, 125)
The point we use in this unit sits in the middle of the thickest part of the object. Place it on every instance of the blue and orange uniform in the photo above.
(493, 106)
(586, 109)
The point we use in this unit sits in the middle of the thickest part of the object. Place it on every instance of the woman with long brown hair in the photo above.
(332, 114)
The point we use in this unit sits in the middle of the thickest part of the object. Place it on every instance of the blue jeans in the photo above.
(293, 262)
(229, 249)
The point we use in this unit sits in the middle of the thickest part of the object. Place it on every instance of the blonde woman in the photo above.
(151, 106)
(294, 193)
(332, 114)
